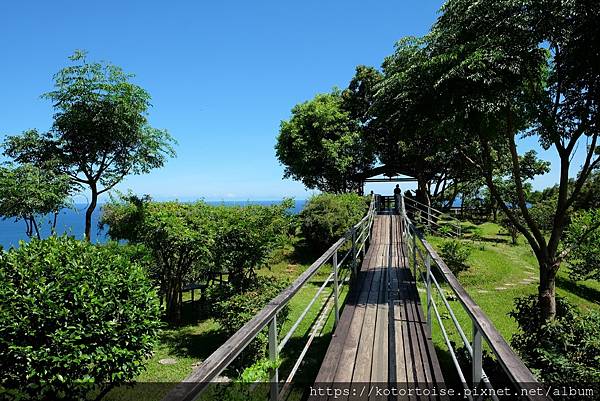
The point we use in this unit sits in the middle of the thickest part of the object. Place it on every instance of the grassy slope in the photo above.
(494, 263)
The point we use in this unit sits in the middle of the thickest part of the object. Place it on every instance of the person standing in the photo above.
(397, 195)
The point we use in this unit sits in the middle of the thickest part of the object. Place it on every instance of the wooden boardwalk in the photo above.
(382, 336)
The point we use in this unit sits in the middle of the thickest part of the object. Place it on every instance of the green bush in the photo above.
(455, 254)
(75, 318)
(563, 350)
(235, 311)
(326, 217)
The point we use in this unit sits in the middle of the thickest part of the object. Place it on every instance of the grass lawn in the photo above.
(499, 272)
(195, 340)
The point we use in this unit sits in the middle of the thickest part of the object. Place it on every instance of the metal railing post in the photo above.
(428, 269)
(336, 288)
(354, 251)
(477, 361)
(414, 251)
(429, 218)
(273, 358)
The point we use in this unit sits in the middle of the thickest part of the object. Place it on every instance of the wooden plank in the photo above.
(330, 362)
(379, 369)
(345, 368)
(362, 371)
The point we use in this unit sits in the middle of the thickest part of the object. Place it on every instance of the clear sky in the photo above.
(222, 74)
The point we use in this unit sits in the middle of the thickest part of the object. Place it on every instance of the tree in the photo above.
(179, 236)
(523, 68)
(322, 146)
(245, 237)
(28, 192)
(407, 123)
(100, 132)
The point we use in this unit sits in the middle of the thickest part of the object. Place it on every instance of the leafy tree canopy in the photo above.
(322, 146)
(100, 132)
(28, 193)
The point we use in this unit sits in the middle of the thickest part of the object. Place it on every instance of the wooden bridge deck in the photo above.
(382, 335)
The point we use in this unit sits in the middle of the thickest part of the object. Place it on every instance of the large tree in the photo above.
(407, 123)
(100, 132)
(323, 146)
(515, 68)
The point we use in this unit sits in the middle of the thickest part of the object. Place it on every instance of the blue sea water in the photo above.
(71, 222)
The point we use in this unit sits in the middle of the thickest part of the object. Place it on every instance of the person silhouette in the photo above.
(397, 194)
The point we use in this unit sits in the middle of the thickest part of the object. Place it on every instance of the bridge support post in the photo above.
(477, 360)
(336, 288)
(273, 358)
(428, 269)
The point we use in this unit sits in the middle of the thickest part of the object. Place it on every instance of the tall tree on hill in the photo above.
(100, 132)
(409, 132)
(513, 68)
(323, 146)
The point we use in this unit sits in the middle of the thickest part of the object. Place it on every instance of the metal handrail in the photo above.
(193, 385)
(483, 328)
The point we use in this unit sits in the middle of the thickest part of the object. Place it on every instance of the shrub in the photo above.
(75, 318)
(238, 309)
(326, 217)
(565, 349)
(455, 254)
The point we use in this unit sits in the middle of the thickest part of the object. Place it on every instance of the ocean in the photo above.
(71, 222)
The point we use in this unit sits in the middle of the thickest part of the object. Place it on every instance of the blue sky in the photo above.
(222, 75)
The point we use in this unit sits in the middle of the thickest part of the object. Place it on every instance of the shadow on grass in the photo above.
(187, 343)
(590, 294)
(304, 253)
(494, 240)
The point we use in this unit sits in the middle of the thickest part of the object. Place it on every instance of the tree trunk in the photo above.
(547, 289)
(90, 211)
(173, 313)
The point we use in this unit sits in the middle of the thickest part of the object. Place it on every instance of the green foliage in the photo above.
(28, 192)
(246, 236)
(582, 245)
(564, 350)
(190, 241)
(237, 310)
(75, 318)
(327, 217)
(507, 224)
(100, 132)
(178, 235)
(455, 253)
(322, 146)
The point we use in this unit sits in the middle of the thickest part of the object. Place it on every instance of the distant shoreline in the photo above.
(70, 221)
